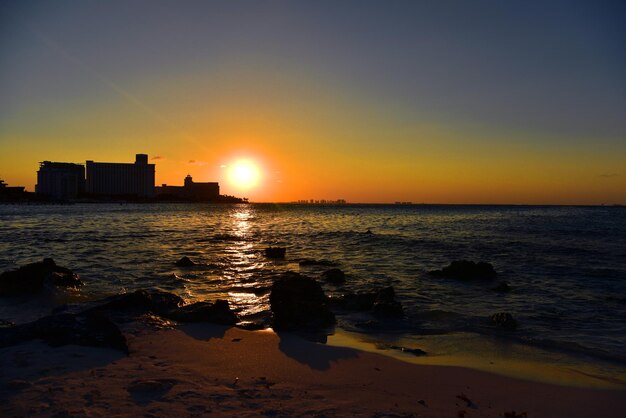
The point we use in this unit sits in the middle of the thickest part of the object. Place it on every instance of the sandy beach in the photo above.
(202, 369)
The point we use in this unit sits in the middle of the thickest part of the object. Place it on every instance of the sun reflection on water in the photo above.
(244, 264)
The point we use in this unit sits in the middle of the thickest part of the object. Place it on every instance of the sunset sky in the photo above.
(368, 101)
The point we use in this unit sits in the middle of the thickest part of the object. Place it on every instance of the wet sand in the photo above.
(200, 369)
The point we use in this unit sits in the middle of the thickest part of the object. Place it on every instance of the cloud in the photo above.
(610, 175)
(157, 157)
(194, 162)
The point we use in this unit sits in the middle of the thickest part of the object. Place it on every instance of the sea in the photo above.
(565, 265)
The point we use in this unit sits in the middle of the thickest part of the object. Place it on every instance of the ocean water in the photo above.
(566, 265)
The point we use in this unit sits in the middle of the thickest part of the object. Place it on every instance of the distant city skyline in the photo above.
(376, 102)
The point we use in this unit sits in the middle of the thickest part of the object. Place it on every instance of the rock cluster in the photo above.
(88, 328)
(97, 323)
(32, 277)
(381, 302)
(217, 312)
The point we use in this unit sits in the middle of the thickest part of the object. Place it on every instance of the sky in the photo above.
(515, 102)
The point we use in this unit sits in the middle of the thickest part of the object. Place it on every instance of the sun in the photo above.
(244, 174)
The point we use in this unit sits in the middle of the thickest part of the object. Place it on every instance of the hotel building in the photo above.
(121, 179)
(60, 180)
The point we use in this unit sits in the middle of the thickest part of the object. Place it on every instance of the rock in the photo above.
(334, 276)
(503, 287)
(466, 270)
(503, 320)
(218, 312)
(90, 329)
(185, 262)
(31, 277)
(139, 302)
(275, 252)
(298, 302)
(385, 303)
(356, 301)
(127, 307)
(381, 302)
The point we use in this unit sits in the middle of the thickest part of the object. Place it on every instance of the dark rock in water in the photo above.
(381, 302)
(275, 252)
(218, 312)
(260, 290)
(31, 278)
(90, 329)
(185, 262)
(334, 276)
(503, 320)
(323, 263)
(358, 301)
(503, 287)
(386, 303)
(298, 302)
(466, 270)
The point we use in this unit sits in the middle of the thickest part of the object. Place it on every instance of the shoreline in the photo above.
(481, 352)
(503, 358)
(200, 369)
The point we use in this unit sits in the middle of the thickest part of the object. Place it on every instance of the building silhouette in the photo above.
(60, 180)
(121, 179)
(191, 190)
(12, 193)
